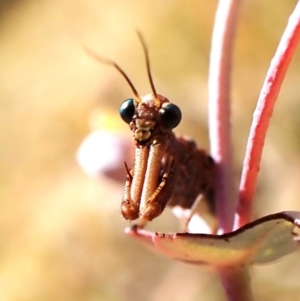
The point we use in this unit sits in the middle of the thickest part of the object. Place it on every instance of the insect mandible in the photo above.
(169, 169)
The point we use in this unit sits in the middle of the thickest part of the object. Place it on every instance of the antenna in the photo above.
(147, 62)
(112, 63)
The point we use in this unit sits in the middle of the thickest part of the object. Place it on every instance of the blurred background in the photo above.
(62, 235)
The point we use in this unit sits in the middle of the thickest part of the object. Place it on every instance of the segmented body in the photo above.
(194, 173)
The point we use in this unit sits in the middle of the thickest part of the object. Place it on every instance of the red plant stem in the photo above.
(262, 115)
(236, 283)
(219, 110)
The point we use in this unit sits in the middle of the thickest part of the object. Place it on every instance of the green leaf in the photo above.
(261, 241)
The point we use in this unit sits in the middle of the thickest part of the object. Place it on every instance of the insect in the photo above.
(168, 169)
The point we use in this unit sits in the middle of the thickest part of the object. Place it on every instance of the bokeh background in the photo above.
(61, 233)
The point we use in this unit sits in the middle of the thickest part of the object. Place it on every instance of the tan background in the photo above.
(61, 234)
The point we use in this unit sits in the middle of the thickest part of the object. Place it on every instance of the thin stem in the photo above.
(262, 115)
(219, 110)
(236, 283)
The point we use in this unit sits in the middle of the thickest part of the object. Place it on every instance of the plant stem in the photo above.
(219, 110)
(262, 115)
(236, 283)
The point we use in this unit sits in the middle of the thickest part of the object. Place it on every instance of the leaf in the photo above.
(261, 241)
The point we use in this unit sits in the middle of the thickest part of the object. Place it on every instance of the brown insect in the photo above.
(169, 169)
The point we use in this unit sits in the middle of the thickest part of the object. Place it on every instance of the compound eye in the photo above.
(127, 110)
(170, 116)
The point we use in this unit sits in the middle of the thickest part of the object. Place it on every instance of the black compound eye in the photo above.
(127, 110)
(170, 116)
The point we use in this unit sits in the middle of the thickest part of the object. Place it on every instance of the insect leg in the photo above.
(160, 197)
(186, 220)
(129, 209)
